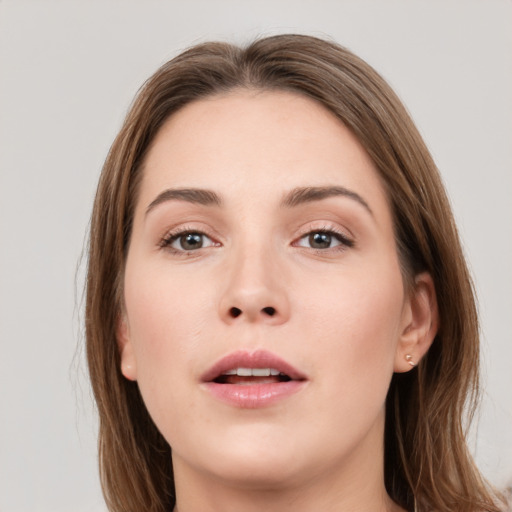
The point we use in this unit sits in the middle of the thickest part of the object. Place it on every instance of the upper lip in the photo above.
(254, 359)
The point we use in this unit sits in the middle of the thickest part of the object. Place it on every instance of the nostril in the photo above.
(234, 312)
(270, 311)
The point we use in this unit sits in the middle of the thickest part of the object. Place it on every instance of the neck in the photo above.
(355, 485)
(317, 495)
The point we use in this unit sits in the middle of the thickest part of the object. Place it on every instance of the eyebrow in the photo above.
(191, 195)
(295, 197)
(302, 195)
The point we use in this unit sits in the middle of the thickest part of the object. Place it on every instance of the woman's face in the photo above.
(263, 243)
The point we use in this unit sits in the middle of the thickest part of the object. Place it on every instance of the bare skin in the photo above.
(290, 250)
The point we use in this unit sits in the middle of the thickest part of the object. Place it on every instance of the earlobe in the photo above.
(125, 346)
(420, 325)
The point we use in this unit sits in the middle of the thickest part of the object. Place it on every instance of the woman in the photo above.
(279, 315)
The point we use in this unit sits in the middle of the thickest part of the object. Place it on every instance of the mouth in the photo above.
(252, 379)
(251, 376)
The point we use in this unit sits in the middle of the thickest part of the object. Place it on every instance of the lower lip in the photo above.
(253, 396)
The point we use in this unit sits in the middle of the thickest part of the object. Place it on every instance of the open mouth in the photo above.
(251, 376)
(251, 380)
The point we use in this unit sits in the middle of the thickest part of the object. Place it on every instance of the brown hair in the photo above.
(426, 457)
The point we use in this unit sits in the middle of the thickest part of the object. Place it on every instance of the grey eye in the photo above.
(320, 240)
(191, 241)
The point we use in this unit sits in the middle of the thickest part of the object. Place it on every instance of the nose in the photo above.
(255, 291)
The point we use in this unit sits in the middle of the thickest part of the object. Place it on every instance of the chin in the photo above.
(252, 459)
(257, 474)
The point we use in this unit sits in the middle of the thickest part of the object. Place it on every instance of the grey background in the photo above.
(68, 71)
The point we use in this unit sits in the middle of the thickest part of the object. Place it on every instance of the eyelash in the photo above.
(342, 238)
(173, 236)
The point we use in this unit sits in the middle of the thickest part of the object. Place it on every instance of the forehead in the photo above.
(257, 144)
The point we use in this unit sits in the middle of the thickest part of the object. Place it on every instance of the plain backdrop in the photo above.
(68, 72)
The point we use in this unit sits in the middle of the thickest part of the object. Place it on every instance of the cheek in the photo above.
(168, 317)
(353, 328)
(356, 321)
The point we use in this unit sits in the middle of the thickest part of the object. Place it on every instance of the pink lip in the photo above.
(252, 396)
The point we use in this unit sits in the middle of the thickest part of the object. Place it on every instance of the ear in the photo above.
(125, 346)
(420, 323)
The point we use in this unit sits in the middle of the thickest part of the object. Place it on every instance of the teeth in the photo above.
(253, 372)
(261, 372)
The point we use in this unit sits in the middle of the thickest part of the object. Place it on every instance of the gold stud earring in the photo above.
(408, 358)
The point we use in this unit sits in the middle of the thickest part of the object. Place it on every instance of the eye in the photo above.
(324, 239)
(187, 241)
